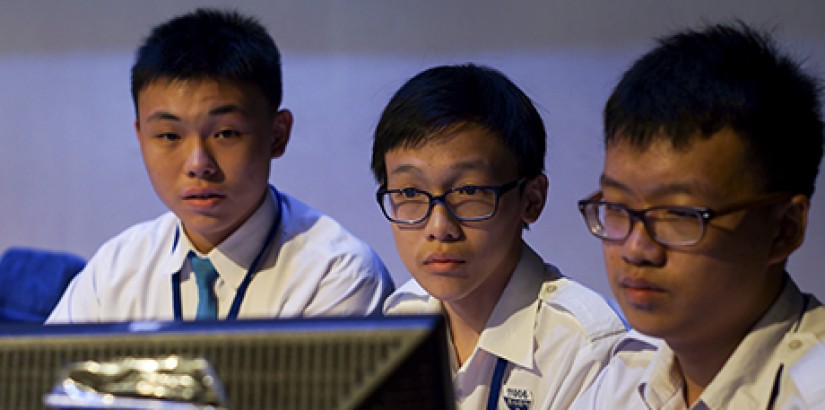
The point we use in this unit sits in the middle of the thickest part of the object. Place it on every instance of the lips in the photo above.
(639, 284)
(202, 198)
(641, 292)
(202, 193)
(443, 263)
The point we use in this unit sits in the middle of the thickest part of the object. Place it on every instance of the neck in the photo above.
(466, 326)
(699, 366)
(468, 317)
(700, 361)
(204, 242)
(469, 314)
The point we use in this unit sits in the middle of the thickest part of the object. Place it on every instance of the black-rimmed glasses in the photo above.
(465, 203)
(667, 225)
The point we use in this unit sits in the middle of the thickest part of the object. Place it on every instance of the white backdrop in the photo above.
(70, 169)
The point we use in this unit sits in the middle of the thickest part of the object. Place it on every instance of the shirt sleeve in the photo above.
(355, 284)
(619, 381)
(79, 302)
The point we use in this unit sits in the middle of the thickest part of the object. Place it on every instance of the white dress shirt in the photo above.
(554, 333)
(312, 267)
(777, 365)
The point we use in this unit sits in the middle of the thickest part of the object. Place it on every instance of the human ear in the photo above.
(534, 197)
(792, 218)
(281, 128)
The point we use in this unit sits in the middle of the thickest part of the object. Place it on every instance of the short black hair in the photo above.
(446, 96)
(696, 83)
(214, 45)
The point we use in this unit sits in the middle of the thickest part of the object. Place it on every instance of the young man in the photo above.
(459, 154)
(713, 143)
(207, 91)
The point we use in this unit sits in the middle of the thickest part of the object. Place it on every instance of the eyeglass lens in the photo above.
(463, 203)
(670, 226)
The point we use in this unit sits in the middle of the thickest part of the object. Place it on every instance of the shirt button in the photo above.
(795, 344)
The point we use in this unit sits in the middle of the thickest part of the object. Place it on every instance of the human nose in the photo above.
(441, 225)
(199, 161)
(639, 248)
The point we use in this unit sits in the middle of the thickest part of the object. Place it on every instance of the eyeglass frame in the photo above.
(499, 190)
(705, 214)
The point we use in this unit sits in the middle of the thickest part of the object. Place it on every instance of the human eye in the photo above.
(613, 206)
(613, 216)
(610, 214)
(614, 210)
(678, 213)
(407, 204)
(471, 196)
(472, 201)
(408, 194)
(167, 136)
(473, 191)
(227, 134)
(676, 224)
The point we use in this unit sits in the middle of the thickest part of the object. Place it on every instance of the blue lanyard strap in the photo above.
(176, 305)
(496, 382)
(250, 274)
(253, 269)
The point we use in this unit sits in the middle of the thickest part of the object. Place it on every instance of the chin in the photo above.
(444, 294)
(649, 325)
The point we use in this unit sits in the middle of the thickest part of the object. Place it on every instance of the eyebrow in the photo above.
(405, 169)
(219, 110)
(659, 191)
(461, 166)
(162, 115)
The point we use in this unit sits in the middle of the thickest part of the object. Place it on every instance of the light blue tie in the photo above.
(205, 276)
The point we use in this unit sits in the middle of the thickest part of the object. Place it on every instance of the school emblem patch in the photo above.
(517, 399)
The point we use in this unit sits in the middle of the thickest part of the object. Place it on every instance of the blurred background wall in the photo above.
(70, 169)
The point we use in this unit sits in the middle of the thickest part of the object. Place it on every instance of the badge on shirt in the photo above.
(517, 399)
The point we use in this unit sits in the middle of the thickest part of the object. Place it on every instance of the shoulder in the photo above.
(813, 320)
(411, 298)
(637, 345)
(619, 380)
(313, 231)
(310, 235)
(587, 307)
(114, 280)
(136, 249)
(805, 351)
(805, 370)
(144, 238)
(322, 249)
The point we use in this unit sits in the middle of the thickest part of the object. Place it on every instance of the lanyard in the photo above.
(250, 274)
(495, 383)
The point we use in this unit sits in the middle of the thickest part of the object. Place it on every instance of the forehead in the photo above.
(180, 94)
(464, 150)
(713, 168)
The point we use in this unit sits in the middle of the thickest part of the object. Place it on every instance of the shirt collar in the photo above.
(753, 362)
(233, 257)
(509, 331)
(661, 383)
